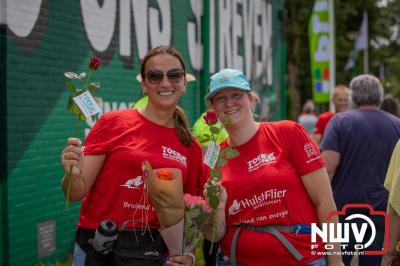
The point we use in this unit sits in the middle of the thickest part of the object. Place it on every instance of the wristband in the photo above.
(192, 256)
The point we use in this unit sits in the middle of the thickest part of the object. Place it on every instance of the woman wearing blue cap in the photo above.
(272, 192)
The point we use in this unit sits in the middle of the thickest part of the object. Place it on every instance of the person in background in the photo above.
(341, 101)
(392, 184)
(107, 172)
(273, 190)
(390, 105)
(356, 149)
(308, 118)
(141, 103)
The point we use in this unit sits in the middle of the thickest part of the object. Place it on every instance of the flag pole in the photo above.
(332, 63)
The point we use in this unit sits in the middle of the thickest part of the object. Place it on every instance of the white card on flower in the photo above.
(212, 153)
(87, 104)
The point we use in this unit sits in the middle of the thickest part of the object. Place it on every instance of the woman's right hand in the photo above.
(72, 155)
(221, 193)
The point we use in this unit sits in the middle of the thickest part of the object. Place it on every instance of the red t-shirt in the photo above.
(322, 122)
(127, 139)
(264, 187)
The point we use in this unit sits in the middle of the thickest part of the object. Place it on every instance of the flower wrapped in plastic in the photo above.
(197, 216)
(165, 189)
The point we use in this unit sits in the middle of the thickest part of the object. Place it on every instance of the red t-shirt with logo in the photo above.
(322, 122)
(127, 139)
(264, 187)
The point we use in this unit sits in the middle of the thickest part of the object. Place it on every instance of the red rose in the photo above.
(210, 118)
(94, 63)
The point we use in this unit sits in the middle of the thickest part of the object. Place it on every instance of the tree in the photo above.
(348, 18)
(298, 62)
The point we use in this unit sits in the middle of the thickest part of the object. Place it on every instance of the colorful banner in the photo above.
(318, 32)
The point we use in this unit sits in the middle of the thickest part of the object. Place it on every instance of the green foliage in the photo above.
(348, 18)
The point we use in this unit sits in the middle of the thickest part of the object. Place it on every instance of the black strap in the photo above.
(271, 229)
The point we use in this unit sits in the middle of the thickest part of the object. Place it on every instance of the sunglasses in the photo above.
(155, 76)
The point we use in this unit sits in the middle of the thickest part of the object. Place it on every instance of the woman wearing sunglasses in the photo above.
(107, 173)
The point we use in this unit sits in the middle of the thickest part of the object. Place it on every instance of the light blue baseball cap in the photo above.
(228, 78)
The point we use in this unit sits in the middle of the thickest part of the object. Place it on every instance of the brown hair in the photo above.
(180, 120)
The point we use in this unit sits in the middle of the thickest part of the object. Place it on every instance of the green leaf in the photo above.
(231, 153)
(216, 173)
(71, 75)
(214, 201)
(70, 86)
(71, 103)
(73, 108)
(194, 213)
(188, 221)
(204, 140)
(227, 122)
(222, 153)
(206, 136)
(214, 130)
(81, 115)
(221, 162)
(211, 190)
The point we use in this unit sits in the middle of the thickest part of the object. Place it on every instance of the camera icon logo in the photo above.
(357, 226)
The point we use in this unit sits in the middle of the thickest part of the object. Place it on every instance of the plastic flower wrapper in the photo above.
(197, 215)
(165, 189)
(215, 159)
(82, 102)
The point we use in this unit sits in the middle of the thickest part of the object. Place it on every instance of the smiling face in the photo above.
(234, 105)
(164, 93)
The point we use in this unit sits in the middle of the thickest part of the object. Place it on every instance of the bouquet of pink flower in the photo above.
(197, 215)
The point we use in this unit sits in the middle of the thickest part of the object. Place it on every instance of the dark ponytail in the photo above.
(182, 127)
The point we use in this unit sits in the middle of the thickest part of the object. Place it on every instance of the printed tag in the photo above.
(212, 153)
(87, 104)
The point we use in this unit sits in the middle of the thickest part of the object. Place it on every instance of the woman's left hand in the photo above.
(180, 260)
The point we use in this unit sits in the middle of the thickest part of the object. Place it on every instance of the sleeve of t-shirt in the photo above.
(192, 184)
(330, 141)
(101, 138)
(393, 169)
(303, 152)
(318, 126)
(392, 180)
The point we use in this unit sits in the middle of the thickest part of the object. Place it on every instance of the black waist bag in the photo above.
(139, 247)
(132, 247)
